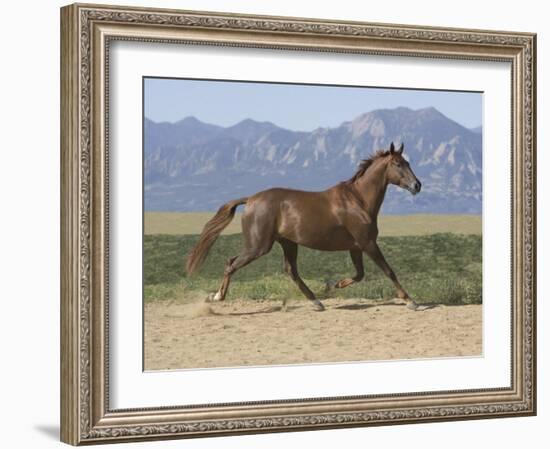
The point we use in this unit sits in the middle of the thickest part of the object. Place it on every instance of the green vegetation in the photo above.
(438, 268)
(178, 223)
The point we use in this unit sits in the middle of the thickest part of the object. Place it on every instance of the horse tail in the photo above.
(210, 233)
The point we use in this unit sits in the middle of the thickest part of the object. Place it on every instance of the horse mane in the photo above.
(366, 163)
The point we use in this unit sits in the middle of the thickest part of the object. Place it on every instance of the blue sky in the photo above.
(296, 107)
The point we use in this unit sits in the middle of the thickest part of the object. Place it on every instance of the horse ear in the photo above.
(392, 148)
(401, 147)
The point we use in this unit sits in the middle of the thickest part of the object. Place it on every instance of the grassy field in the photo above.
(177, 223)
(436, 268)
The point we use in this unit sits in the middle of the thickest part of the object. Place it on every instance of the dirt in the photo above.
(250, 333)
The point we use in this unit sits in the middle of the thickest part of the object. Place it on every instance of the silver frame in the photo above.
(87, 31)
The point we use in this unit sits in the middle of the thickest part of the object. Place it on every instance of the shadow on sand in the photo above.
(260, 312)
(359, 306)
(352, 306)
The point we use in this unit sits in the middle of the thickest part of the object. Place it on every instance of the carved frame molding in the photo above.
(87, 31)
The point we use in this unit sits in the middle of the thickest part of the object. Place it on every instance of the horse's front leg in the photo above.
(372, 249)
(357, 259)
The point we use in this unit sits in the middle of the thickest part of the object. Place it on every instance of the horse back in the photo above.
(312, 219)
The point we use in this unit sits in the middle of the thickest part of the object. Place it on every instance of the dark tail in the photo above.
(210, 233)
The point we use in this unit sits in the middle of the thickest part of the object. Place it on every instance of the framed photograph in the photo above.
(278, 224)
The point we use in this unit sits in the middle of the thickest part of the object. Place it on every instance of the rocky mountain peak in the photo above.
(192, 165)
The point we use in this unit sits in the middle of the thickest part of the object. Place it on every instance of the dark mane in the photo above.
(366, 163)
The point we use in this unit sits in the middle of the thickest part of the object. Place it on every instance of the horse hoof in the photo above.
(330, 285)
(213, 297)
(318, 306)
(412, 306)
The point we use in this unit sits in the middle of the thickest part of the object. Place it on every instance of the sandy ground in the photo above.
(245, 332)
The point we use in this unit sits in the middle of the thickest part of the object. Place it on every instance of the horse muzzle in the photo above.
(414, 187)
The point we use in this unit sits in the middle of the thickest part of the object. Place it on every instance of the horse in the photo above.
(341, 218)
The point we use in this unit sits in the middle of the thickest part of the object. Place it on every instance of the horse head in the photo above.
(399, 171)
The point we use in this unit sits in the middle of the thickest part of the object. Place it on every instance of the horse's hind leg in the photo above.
(290, 250)
(258, 237)
(235, 263)
(357, 259)
(222, 291)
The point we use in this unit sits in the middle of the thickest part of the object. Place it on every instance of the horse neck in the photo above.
(372, 186)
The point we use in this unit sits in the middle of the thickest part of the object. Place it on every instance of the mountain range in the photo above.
(190, 165)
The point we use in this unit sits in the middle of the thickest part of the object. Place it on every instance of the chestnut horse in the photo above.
(342, 218)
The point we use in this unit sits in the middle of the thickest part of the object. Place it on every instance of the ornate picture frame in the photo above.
(87, 31)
